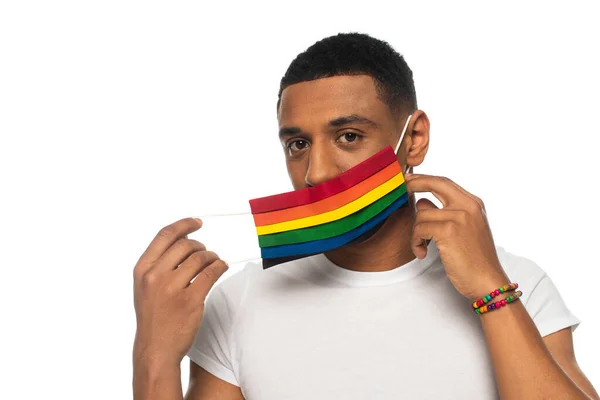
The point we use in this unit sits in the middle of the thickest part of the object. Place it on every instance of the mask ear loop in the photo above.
(402, 136)
(224, 215)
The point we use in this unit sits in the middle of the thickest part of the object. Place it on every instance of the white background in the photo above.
(120, 117)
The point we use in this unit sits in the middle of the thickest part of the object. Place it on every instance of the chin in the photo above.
(368, 234)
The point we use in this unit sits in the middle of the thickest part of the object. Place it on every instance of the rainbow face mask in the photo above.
(332, 214)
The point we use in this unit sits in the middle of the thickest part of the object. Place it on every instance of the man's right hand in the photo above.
(168, 305)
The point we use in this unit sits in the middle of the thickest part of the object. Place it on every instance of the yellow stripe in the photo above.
(336, 214)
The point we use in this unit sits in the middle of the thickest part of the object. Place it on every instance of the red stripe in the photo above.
(336, 185)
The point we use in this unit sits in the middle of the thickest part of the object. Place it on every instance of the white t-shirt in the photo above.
(309, 329)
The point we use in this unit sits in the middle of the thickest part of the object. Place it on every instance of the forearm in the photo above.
(523, 365)
(154, 380)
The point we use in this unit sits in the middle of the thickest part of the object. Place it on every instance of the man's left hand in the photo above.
(461, 232)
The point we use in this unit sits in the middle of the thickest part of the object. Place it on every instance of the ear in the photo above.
(416, 144)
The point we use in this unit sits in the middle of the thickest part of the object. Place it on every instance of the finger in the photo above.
(477, 201)
(423, 231)
(426, 211)
(167, 236)
(425, 204)
(192, 266)
(440, 215)
(207, 278)
(177, 254)
(441, 187)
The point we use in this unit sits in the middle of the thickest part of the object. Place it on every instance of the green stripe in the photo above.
(333, 228)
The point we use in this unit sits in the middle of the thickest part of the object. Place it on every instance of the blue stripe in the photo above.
(319, 246)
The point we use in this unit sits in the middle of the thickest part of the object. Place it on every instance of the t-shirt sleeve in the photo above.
(541, 298)
(548, 309)
(212, 347)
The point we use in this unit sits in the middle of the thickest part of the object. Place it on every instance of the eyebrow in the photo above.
(289, 131)
(340, 121)
(352, 119)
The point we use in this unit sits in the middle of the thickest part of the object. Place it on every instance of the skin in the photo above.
(319, 146)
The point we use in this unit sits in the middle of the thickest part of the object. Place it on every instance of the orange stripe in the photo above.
(330, 203)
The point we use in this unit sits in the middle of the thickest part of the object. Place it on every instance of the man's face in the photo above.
(329, 125)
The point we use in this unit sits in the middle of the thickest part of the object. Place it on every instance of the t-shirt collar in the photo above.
(404, 272)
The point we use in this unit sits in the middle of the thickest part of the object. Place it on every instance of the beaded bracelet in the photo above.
(498, 304)
(506, 288)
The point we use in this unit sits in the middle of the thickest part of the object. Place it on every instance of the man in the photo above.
(386, 317)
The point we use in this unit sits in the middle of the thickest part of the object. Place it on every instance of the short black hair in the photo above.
(356, 54)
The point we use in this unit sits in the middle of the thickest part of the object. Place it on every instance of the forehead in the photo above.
(328, 98)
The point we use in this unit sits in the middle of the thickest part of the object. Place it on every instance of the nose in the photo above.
(321, 166)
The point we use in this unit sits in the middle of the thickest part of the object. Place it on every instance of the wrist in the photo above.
(152, 359)
(150, 368)
(488, 285)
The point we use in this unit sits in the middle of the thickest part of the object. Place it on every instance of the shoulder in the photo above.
(518, 265)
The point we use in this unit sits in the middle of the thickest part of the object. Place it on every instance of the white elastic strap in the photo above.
(402, 135)
(224, 215)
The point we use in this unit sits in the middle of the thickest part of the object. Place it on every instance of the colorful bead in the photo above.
(480, 306)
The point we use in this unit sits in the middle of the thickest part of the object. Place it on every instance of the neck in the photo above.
(388, 248)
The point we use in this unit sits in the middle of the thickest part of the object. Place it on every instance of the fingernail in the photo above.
(198, 219)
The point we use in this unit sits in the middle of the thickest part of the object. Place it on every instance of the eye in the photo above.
(348, 137)
(297, 145)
